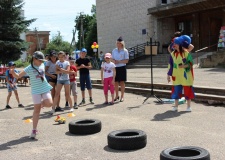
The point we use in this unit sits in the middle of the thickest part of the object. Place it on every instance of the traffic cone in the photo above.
(28, 121)
(71, 115)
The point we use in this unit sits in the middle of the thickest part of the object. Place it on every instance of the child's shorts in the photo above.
(10, 89)
(37, 98)
(63, 82)
(85, 79)
(73, 88)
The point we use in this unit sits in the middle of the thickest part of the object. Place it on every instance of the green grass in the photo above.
(20, 64)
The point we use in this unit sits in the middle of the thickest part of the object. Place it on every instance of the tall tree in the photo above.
(58, 44)
(12, 24)
(89, 33)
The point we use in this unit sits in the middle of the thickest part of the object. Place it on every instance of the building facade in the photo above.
(38, 40)
(126, 18)
(200, 19)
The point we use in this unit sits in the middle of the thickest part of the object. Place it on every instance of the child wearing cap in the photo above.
(40, 88)
(11, 85)
(83, 64)
(181, 72)
(108, 74)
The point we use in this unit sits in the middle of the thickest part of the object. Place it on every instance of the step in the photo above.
(166, 93)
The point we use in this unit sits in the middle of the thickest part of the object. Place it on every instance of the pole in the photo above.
(151, 67)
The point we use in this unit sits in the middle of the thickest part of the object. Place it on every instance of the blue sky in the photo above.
(56, 15)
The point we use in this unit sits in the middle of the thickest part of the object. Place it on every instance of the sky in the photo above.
(56, 15)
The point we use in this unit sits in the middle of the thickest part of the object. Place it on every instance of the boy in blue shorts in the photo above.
(11, 85)
(83, 64)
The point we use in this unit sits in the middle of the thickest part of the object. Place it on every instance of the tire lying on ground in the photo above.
(129, 139)
(185, 153)
(85, 126)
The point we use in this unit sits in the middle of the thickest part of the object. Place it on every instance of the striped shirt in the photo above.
(37, 86)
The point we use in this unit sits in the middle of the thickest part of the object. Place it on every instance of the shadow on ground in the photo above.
(106, 148)
(167, 115)
(12, 143)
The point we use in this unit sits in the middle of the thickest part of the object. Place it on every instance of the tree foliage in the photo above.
(58, 44)
(89, 28)
(12, 24)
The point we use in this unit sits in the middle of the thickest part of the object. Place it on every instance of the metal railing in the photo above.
(139, 50)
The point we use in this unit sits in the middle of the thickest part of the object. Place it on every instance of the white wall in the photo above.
(124, 18)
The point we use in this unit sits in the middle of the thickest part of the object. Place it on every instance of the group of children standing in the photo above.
(48, 78)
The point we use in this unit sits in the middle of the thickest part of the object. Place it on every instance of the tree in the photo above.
(58, 44)
(12, 24)
(89, 30)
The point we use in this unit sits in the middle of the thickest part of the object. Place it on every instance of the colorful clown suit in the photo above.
(182, 78)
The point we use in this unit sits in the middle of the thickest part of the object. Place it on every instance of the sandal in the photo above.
(121, 100)
(117, 98)
(106, 103)
(111, 103)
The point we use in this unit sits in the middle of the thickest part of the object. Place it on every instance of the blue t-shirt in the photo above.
(10, 76)
(37, 86)
(120, 55)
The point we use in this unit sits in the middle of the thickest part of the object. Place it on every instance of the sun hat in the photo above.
(108, 55)
(39, 55)
(11, 63)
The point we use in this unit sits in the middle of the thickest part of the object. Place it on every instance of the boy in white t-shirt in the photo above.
(108, 73)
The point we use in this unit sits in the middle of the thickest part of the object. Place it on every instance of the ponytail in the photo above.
(31, 62)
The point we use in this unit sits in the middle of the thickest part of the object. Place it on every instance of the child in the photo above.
(181, 71)
(73, 83)
(63, 70)
(109, 72)
(83, 64)
(11, 85)
(40, 88)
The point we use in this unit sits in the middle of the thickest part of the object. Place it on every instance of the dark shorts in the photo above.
(53, 80)
(121, 74)
(85, 80)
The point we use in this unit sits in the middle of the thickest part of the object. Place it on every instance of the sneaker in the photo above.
(33, 134)
(20, 105)
(188, 109)
(8, 107)
(75, 106)
(71, 110)
(175, 109)
(66, 105)
(52, 112)
(58, 109)
(91, 101)
(82, 102)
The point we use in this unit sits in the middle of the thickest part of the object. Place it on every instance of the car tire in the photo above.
(85, 126)
(185, 153)
(129, 139)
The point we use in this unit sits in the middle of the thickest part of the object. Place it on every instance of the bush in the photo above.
(20, 64)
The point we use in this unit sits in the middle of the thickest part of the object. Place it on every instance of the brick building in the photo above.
(200, 19)
(38, 40)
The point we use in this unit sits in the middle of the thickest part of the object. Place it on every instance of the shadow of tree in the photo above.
(21, 140)
(167, 115)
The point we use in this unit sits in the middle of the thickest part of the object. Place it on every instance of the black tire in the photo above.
(85, 126)
(185, 153)
(129, 139)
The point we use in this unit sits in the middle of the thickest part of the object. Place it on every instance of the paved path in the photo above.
(204, 127)
(212, 77)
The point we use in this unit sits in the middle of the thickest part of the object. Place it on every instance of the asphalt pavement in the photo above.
(203, 127)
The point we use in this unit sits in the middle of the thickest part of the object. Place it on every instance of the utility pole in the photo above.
(38, 43)
(81, 29)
